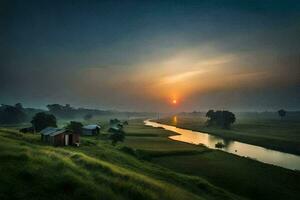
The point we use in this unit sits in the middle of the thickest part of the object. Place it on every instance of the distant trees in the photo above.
(114, 122)
(12, 114)
(62, 111)
(19, 106)
(69, 112)
(43, 120)
(75, 127)
(282, 113)
(223, 119)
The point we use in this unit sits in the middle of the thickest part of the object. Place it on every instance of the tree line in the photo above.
(225, 119)
(14, 114)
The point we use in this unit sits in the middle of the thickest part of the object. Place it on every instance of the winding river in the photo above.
(286, 160)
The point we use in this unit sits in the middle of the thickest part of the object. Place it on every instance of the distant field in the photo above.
(273, 133)
(148, 138)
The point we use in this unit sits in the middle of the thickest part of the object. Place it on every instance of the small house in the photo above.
(59, 137)
(91, 129)
(117, 128)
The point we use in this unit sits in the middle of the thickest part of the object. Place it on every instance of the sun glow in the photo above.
(174, 101)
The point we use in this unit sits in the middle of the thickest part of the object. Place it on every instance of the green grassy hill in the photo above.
(148, 165)
(95, 170)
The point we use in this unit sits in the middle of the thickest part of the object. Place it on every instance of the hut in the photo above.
(117, 128)
(91, 129)
(59, 137)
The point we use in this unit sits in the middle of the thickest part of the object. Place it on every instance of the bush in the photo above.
(117, 137)
(27, 130)
(219, 145)
(43, 120)
(75, 127)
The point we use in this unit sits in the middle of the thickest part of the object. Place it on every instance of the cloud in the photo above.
(181, 77)
(137, 56)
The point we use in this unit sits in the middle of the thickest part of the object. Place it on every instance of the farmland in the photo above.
(147, 165)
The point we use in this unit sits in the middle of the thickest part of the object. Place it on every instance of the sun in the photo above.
(174, 101)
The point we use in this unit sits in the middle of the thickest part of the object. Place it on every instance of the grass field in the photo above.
(239, 175)
(242, 176)
(147, 165)
(282, 135)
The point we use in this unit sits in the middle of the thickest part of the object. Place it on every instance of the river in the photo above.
(286, 160)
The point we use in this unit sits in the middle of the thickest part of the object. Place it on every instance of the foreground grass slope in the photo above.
(96, 170)
(282, 135)
(242, 176)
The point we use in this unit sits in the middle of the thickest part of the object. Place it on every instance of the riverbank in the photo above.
(242, 176)
(281, 135)
(273, 157)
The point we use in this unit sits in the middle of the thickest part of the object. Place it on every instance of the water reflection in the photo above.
(175, 120)
(277, 158)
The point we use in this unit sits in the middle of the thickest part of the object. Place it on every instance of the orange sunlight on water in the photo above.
(175, 120)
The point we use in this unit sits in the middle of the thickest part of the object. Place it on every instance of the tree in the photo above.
(228, 119)
(223, 119)
(43, 120)
(210, 113)
(114, 121)
(75, 127)
(281, 113)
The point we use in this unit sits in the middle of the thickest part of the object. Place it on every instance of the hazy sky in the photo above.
(140, 55)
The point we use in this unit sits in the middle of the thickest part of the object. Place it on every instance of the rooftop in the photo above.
(52, 131)
(91, 126)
